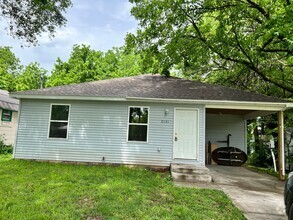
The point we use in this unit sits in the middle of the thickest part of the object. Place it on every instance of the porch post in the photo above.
(281, 153)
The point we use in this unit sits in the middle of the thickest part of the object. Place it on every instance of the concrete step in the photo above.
(192, 178)
(189, 169)
(190, 173)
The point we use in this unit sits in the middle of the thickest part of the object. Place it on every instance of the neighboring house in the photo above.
(9, 115)
(147, 120)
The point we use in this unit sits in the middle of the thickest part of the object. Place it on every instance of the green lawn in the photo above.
(39, 190)
(269, 171)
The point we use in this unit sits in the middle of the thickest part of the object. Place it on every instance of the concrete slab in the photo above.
(259, 196)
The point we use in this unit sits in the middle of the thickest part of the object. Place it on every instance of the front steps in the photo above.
(190, 173)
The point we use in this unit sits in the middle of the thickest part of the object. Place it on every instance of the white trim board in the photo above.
(219, 104)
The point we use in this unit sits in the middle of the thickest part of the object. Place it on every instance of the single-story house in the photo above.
(147, 119)
(9, 116)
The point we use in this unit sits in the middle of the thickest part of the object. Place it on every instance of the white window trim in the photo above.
(49, 124)
(144, 124)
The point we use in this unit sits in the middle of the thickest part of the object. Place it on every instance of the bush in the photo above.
(261, 158)
(5, 149)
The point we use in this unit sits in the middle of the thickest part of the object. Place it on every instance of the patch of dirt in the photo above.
(88, 202)
(94, 218)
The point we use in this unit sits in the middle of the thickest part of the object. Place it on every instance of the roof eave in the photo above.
(67, 97)
(224, 104)
(219, 104)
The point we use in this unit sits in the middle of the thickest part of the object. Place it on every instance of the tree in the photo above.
(9, 69)
(126, 63)
(28, 19)
(30, 77)
(82, 66)
(86, 64)
(245, 43)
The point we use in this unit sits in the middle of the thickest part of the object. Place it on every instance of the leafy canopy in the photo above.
(15, 77)
(243, 43)
(30, 77)
(9, 68)
(27, 19)
(86, 64)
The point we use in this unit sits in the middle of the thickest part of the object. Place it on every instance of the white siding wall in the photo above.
(96, 130)
(8, 129)
(219, 126)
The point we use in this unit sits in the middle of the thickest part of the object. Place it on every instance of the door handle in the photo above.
(176, 139)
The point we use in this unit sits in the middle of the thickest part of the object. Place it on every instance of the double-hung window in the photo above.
(59, 119)
(6, 115)
(138, 124)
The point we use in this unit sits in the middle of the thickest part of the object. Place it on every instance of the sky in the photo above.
(102, 24)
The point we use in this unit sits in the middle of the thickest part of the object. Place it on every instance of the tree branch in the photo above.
(259, 8)
(248, 64)
(240, 47)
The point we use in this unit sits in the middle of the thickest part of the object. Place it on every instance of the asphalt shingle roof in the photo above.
(8, 103)
(153, 86)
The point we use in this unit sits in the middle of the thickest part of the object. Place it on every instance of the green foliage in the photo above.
(261, 157)
(9, 69)
(30, 77)
(86, 64)
(288, 119)
(4, 148)
(28, 19)
(259, 153)
(245, 44)
(269, 171)
(259, 130)
(32, 190)
(15, 77)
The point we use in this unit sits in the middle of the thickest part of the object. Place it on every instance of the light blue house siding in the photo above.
(98, 129)
(218, 126)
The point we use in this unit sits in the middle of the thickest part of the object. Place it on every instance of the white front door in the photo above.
(185, 134)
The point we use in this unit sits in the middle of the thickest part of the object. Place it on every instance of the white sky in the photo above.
(102, 24)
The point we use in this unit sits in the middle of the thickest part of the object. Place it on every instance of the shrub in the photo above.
(4, 148)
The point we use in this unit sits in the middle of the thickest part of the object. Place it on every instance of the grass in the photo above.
(269, 171)
(40, 190)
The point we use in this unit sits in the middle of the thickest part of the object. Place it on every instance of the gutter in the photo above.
(223, 104)
(215, 104)
(90, 98)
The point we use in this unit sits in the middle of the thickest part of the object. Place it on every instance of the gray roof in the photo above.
(8, 103)
(152, 86)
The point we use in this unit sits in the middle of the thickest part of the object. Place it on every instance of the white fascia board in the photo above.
(250, 106)
(219, 104)
(289, 105)
(94, 98)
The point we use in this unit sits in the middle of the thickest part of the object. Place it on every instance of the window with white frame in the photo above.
(138, 123)
(59, 118)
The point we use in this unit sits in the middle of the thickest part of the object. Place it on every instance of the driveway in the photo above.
(259, 196)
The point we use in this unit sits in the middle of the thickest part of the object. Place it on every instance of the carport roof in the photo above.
(149, 87)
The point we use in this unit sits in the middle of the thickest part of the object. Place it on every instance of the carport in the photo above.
(245, 111)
